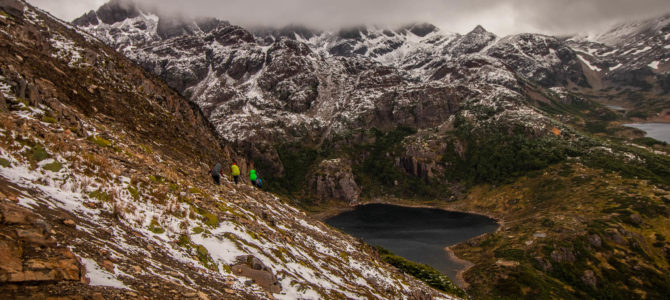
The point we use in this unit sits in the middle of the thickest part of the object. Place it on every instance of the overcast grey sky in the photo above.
(499, 16)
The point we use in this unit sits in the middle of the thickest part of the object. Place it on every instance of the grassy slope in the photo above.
(557, 212)
(550, 185)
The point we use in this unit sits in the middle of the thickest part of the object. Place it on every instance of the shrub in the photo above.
(100, 195)
(422, 272)
(155, 227)
(511, 254)
(204, 257)
(209, 219)
(647, 141)
(38, 153)
(146, 149)
(200, 252)
(133, 192)
(100, 141)
(184, 241)
(48, 119)
(53, 167)
(4, 163)
(495, 158)
(227, 269)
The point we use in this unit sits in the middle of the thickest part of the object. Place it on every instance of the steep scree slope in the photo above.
(104, 190)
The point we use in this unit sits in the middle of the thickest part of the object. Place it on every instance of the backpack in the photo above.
(259, 183)
(235, 170)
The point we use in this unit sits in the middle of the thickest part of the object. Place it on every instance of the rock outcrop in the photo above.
(333, 179)
(29, 253)
(253, 268)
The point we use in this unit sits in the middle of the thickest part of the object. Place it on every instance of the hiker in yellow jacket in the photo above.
(235, 171)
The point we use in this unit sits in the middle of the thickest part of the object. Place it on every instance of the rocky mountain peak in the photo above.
(629, 32)
(421, 29)
(479, 29)
(472, 42)
(269, 34)
(353, 32)
(109, 13)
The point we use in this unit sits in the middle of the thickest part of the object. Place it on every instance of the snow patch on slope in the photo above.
(588, 64)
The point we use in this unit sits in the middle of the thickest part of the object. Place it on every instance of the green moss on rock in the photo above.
(38, 153)
(155, 227)
(53, 167)
(99, 195)
(5, 163)
(100, 141)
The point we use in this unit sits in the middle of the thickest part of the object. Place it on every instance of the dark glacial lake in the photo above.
(659, 131)
(418, 234)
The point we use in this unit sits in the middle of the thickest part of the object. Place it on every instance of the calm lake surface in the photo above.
(418, 234)
(659, 131)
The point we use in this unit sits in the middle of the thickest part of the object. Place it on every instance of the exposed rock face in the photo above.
(615, 236)
(253, 268)
(333, 179)
(109, 13)
(595, 240)
(420, 157)
(473, 42)
(540, 58)
(589, 278)
(13, 8)
(28, 251)
(544, 264)
(563, 255)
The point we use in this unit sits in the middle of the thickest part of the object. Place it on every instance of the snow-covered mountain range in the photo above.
(268, 84)
(628, 53)
(263, 87)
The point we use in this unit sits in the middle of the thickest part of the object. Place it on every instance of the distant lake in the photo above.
(418, 234)
(659, 131)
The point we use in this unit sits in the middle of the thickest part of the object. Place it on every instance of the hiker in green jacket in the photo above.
(252, 176)
(235, 171)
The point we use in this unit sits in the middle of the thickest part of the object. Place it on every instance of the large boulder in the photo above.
(12, 7)
(251, 267)
(589, 278)
(563, 255)
(29, 253)
(333, 180)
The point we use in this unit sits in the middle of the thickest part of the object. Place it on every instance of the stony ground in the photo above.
(106, 192)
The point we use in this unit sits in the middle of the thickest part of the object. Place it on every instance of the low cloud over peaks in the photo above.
(499, 16)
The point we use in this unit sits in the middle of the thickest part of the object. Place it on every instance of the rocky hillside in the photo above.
(105, 192)
(505, 126)
(629, 64)
(288, 97)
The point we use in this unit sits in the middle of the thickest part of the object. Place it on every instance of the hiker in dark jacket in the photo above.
(217, 172)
